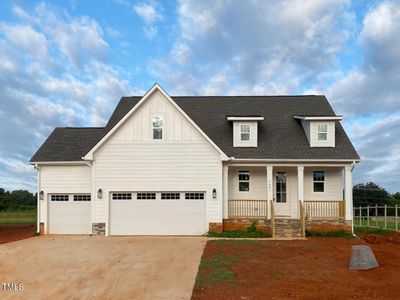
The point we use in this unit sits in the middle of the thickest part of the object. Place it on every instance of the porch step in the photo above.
(288, 228)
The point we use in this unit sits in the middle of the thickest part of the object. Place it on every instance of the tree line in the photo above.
(17, 200)
(372, 194)
(363, 194)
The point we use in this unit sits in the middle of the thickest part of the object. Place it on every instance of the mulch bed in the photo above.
(313, 269)
(15, 232)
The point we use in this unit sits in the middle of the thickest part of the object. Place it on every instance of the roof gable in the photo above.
(135, 107)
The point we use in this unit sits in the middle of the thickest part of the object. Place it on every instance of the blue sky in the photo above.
(67, 63)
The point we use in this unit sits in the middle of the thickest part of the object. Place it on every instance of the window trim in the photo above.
(244, 180)
(157, 127)
(241, 132)
(319, 181)
(325, 132)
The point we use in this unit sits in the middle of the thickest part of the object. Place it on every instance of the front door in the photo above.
(281, 195)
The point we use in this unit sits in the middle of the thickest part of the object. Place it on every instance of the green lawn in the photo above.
(18, 217)
(390, 224)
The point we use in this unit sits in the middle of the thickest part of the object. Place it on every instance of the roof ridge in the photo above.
(69, 127)
(250, 96)
(234, 96)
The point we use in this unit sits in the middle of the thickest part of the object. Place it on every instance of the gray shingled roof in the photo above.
(280, 136)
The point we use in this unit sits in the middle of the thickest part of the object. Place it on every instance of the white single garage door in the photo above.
(69, 214)
(155, 213)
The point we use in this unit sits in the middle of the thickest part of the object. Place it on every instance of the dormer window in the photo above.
(319, 130)
(158, 127)
(245, 132)
(322, 132)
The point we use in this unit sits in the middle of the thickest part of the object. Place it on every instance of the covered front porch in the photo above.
(305, 196)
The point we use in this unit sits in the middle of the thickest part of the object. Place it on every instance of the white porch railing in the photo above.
(252, 209)
(324, 209)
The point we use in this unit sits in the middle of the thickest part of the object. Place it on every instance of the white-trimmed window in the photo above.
(244, 181)
(194, 196)
(158, 127)
(82, 197)
(122, 196)
(146, 196)
(319, 181)
(322, 132)
(59, 198)
(245, 132)
(170, 196)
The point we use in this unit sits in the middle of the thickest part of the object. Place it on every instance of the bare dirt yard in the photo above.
(316, 268)
(15, 232)
(84, 267)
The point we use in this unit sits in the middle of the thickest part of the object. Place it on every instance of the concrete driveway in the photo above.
(83, 267)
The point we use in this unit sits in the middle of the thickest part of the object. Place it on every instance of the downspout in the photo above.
(353, 164)
(38, 200)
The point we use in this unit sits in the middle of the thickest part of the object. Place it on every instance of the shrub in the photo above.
(239, 234)
(339, 233)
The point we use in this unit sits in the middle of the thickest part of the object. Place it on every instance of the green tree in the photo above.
(16, 200)
(370, 194)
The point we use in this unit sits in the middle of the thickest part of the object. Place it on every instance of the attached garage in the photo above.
(158, 213)
(69, 214)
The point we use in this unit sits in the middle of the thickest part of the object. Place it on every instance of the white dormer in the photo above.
(245, 131)
(320, 130)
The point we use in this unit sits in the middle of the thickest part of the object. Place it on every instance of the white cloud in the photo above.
(269, 47)
(27, 39)
(148, 12)
(66, 81)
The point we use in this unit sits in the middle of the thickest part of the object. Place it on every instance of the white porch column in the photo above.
(348, 193)
(225, 192)
(269, 189)
(300, 185)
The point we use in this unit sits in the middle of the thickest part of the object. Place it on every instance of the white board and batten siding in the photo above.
(131, 161)
(64, 180)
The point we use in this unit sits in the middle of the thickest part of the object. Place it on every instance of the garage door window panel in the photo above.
(59, 197)
(122, 196)
(194, 196)
(170, 196)
(146, 196)
(82, 197)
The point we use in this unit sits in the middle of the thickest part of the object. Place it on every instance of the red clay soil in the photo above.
(313, 269)
(15, 232)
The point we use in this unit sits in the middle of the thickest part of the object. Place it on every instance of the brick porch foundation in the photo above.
(326, 225)
(240, 224)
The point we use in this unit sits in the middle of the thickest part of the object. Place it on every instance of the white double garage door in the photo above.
(158, 213)
(132, 213)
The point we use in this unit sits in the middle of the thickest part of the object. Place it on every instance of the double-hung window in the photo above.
(244, 181)
(245, 133)
(158, 127)
(322, 132)
(319, 181)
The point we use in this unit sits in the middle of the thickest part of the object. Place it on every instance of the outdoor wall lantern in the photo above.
(99, 193)
(41, 195)
(214, 194)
